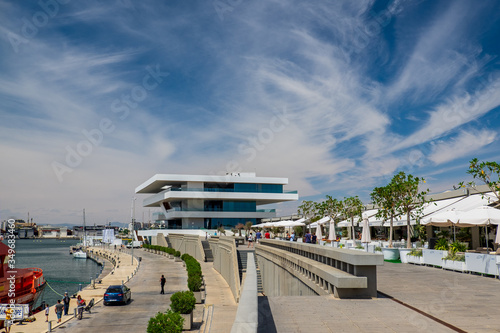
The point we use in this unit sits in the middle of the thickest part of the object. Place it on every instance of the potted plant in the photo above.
(453, 260)
(184, 302)
(177, 256)
(195, 282)
(415, 257)
(403, 254)
(165, 322)
(434, 257)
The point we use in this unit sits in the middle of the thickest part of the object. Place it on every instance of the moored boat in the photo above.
(80, 254)
(29, 282)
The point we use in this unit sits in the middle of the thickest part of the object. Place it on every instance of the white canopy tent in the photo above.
(320, 221)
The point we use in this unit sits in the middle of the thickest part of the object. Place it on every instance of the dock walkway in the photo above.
(123, 272)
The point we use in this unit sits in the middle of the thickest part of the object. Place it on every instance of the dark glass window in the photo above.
(259, 188)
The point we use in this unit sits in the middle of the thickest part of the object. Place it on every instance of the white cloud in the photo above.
(462, 145)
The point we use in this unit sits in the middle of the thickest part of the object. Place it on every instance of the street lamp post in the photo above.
(133, 227)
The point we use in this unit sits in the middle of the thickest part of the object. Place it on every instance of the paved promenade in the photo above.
(122, 273)
(215, 315)
(146, 299)
(455, 301)
(220, 306)
(466, 301)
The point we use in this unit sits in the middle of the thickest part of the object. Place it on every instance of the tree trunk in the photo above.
(352, 228)
(391, 231)
(408, 239)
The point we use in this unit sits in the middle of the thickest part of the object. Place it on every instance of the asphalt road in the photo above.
(146, 299)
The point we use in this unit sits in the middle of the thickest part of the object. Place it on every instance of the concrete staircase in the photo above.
(209, 257)
(242, 265)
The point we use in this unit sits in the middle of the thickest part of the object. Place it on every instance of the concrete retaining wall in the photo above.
(289, 268)
(190, 244)
(247, 316)
(226, 262)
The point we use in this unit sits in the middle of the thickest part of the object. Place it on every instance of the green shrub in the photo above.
(299, 231)
(442, 244)
(183, 302)
(169, 322)
(416, 252)
(455, 257)
(195, 282)
(458, 247)
(177, 253)
(378, 249)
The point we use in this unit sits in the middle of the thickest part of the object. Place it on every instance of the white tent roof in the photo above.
(320, 221)
(483, 215)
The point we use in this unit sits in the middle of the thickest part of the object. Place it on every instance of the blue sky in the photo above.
(98, 96)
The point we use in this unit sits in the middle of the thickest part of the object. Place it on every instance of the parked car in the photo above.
(117, 294)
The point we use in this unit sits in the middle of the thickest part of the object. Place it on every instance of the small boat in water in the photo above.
(80, 254)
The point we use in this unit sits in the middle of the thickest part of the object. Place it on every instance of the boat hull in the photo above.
(80, 255)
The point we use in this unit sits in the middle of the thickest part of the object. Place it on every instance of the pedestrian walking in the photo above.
(250, 240)
(308, 237)
(258, 236)
(162, 282)
(66, 301)
(59, 310)
(47, 312)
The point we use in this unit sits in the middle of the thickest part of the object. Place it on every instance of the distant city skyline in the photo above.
(336, 96)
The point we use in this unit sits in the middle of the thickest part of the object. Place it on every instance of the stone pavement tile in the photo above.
(453, 297)
(219, 295)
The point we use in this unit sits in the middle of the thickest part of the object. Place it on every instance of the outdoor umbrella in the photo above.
(332, 235)
(497, 238)
(319, 236)
(443, 219)
(483, 215)
(365, 234)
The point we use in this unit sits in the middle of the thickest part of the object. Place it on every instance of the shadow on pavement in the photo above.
(266, 320)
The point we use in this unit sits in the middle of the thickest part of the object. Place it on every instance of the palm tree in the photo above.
(239, 226)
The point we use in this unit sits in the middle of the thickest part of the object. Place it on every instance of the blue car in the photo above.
(117, 294)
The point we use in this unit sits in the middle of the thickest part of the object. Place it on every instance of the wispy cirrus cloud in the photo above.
(333, 95)
(462, 145)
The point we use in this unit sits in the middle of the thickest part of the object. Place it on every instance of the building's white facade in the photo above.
(204, 201)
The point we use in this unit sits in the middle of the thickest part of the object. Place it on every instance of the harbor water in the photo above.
(62, 272)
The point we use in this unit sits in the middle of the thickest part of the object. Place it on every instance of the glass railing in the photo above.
(176, 189)
(177, 209)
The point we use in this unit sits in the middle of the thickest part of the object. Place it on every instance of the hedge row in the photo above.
(193, 268)
(168, 250)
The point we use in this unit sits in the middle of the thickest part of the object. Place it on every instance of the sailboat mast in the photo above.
(84, 230)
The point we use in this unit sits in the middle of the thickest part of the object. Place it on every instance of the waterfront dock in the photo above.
(123, 269)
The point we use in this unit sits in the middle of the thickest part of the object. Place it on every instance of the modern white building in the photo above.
(205, 201)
